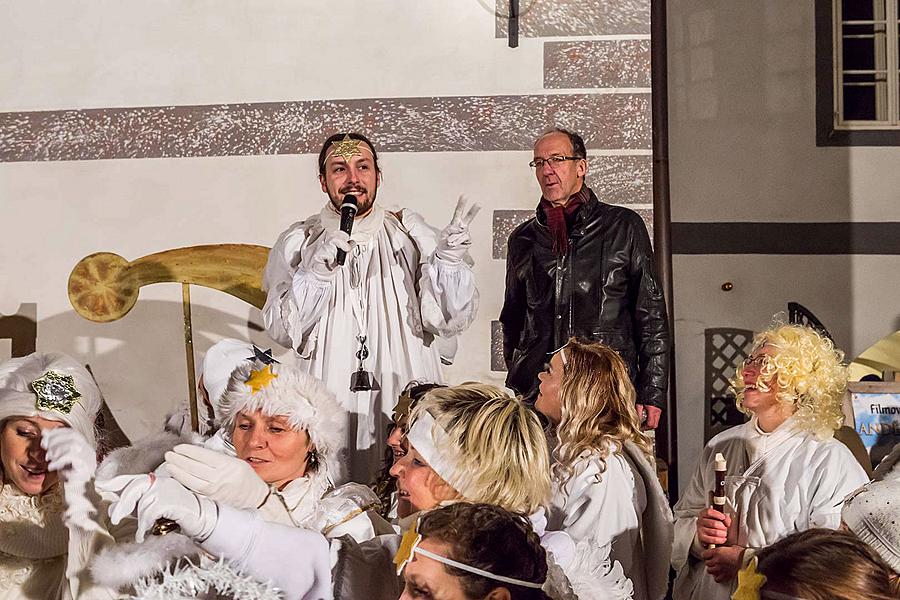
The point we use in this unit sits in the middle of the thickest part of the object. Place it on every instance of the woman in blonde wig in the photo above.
(785, 471)
(605, 487)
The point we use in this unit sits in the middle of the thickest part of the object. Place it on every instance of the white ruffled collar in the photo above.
(364, 228)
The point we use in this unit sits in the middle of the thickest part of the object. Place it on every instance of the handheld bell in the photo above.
(360, 381)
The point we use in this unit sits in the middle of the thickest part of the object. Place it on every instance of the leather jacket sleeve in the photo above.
(512, 315)
(651, 327)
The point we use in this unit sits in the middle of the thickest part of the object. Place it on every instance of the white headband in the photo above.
(476, 570)
(433, 443)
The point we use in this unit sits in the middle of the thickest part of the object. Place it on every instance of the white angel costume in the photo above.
(622, 505)
(48, 539)
(154, 568)
(778, 483)
(394, 290)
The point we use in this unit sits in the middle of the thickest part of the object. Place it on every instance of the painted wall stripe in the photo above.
(597, 64)
(550, 18)
(437, 124)
(786, 238)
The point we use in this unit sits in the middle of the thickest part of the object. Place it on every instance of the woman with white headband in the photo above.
(605, 489)
(471, 552)
(48, 527)
(484, 445)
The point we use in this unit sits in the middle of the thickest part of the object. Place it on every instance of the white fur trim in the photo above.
(298, 395)
(187, 580)
(124, 564)
(142, 457)
(18, 399)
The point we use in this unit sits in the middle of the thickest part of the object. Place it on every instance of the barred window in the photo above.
(863, 72)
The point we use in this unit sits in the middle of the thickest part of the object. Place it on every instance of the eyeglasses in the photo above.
(539, 163)
(755, 361)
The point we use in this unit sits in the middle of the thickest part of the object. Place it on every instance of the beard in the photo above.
(364, 202)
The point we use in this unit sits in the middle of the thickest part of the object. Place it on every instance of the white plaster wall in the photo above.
(141, 53)
(55, 213)
(167, 52)
(742, 149)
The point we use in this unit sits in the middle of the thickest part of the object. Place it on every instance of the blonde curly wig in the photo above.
(809, 376)
(499, 445)
(597, 402)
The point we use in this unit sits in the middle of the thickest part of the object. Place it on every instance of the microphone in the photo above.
(348, 212)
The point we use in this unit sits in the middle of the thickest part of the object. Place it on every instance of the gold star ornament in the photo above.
(347, 148)
(260, 379)
(408, 545)
(750, 582)
(55, 391)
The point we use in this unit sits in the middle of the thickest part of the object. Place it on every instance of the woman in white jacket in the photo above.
(605, 489)
(48, 534)
(785, 471)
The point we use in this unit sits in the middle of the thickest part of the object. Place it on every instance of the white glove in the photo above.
(161, 498)
(69, 454)
(223, 478)
(323, 261)
(72, 457)
(454, 240)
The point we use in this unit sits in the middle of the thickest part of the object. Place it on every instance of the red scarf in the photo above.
(557, 217)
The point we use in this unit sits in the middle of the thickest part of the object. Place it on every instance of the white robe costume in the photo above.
(394, 289)
(778, 483)
(625, 506)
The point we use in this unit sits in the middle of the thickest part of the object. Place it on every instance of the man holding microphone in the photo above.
(370, 323)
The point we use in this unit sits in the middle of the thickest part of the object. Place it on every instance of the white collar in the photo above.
(363, 228)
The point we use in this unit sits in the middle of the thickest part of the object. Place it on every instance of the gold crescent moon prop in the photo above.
(103, 286)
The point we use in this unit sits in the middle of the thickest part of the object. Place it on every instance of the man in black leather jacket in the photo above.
(582, 268)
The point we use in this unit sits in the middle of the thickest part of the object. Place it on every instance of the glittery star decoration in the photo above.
(749, 582)
(408, 545)
(55, 391)
(260, 378)
(263, 356)
(347, 148)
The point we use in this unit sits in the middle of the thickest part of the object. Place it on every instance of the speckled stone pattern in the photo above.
(548, 18)
(466, 123)
(625, 179)
(504, 223)
(597, 64)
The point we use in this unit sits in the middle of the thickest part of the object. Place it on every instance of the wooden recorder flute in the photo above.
(718, 493)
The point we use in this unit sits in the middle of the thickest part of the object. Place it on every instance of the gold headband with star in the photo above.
(347, 148)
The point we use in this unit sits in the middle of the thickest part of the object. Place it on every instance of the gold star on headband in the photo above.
(749, 582)
(347, 148)
(408, 544)
(260, 379)
(55, 391)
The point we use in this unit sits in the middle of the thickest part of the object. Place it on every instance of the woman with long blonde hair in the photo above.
(605, 486)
